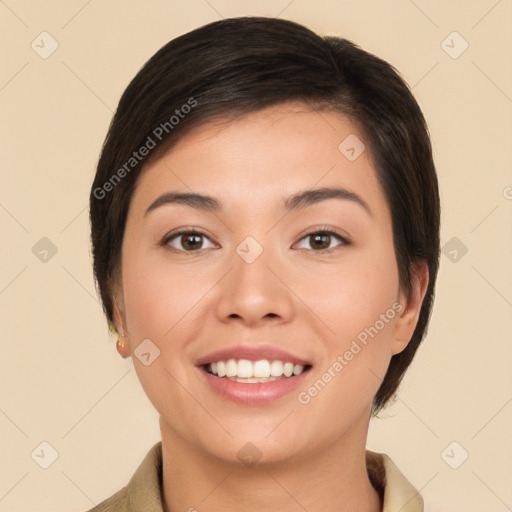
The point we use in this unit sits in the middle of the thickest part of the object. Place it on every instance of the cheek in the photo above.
(159, 306)
(147, 301)
(355, 295)
(159, 299)
(359, 304)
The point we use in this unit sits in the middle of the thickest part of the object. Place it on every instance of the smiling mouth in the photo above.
(254, 372)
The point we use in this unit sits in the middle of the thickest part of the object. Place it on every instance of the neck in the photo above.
(336, 479)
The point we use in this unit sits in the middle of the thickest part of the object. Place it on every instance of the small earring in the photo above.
(123, 347)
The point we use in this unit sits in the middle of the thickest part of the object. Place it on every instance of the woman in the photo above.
(265, 230)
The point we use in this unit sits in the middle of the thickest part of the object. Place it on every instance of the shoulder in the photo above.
(144, 490)
(118, 502)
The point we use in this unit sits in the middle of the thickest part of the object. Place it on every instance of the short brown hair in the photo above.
(241, 65)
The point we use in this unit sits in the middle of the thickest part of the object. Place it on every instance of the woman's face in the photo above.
(263, 282)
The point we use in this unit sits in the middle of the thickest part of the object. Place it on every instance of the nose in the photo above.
(255, 293)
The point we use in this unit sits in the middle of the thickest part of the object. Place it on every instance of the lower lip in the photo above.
(253, 394)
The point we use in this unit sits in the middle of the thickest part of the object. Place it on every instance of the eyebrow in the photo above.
(295, 202)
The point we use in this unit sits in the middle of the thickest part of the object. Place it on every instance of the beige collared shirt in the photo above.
(144, 491)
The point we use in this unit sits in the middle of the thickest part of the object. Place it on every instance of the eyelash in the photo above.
(317, 231)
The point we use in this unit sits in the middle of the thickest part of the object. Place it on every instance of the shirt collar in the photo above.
(144, 491)
(397, 493)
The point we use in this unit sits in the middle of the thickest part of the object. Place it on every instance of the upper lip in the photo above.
(252, 353)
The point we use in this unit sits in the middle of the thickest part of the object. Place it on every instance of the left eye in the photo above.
(191, 241)
(322, 240)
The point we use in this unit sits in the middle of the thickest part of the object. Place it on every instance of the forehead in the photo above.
(272, 152)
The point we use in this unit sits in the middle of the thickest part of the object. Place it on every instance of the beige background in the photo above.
(61, 380)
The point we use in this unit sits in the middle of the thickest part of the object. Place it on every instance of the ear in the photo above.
(407, 318)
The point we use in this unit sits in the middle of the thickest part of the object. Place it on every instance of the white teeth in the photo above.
(298, 369)
(244, 369)
(231, 368)
(276, 369)
(221, 368)
(253, 380)
(263, 370)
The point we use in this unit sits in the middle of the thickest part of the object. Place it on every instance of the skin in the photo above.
(293, 296)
